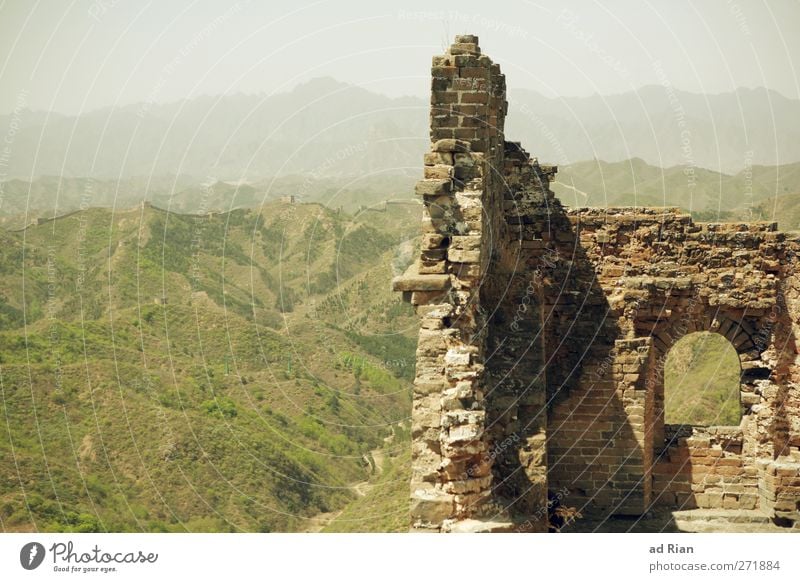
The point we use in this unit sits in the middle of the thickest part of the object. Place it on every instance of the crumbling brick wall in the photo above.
(664, 277)
(705, 468)
(544, 332)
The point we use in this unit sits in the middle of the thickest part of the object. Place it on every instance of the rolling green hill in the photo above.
(166, 372)
(24, 202)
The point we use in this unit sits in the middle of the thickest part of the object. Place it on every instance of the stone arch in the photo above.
(749, 334)
(741, 331)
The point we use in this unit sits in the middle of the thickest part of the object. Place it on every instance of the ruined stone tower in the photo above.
(544, 331)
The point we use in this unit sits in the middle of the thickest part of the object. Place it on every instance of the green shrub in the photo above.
(223, 407)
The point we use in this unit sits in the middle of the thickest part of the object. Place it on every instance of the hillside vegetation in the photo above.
(166, 372)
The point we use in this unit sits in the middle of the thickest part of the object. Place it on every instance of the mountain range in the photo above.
(327, 128)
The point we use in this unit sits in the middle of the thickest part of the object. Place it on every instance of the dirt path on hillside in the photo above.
(574, 189)
(317, 523)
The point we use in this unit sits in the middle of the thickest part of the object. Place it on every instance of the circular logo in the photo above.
(31, 555)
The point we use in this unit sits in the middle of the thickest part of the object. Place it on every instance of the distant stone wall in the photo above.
(544, 332)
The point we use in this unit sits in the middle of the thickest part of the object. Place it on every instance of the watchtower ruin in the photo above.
(544, 332)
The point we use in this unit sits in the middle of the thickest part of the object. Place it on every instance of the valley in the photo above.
(166, 372)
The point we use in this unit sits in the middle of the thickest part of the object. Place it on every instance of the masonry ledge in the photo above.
(412, 280)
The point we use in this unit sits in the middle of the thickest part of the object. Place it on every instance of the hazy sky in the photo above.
(79, 55)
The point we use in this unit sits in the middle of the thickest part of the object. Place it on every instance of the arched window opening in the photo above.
(702, 382)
